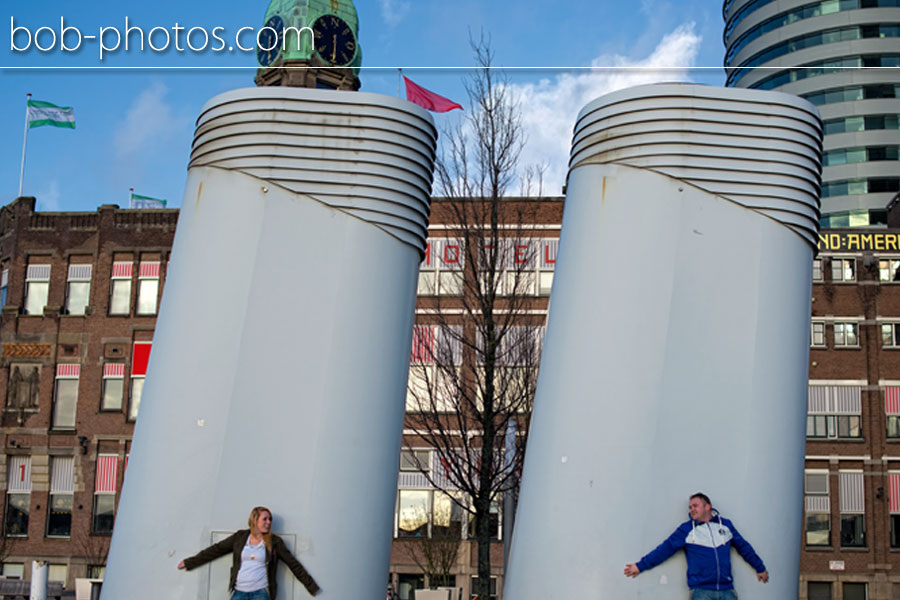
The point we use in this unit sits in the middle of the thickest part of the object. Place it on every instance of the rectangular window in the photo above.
(894, 507)
(817, 334)
(889, 269)
(120, 289)
(13, 570)
(413, 509)
(148, 288)
(843, 269)
(37, 289)
(846, 334)
(18, 497)
(78, 289)
(432, 385)
(448, 516)
(818, 590)
(113, 386)
(450, 267)
(62, 488)
(547, 265)
(415, 460)
(817, 269)
(96, 571)
(427, 270)
(4, 286)
(818, 508)
(854, 591)
(492, 588)
(853, 508)
(105, 494)
(140, 357)
(57, 573)
(834, 412)
(65, 396)
(892, 412)
(890, 335)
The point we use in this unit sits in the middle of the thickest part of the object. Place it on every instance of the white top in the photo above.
(252, 575)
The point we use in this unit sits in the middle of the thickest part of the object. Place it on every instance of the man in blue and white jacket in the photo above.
(706, 539)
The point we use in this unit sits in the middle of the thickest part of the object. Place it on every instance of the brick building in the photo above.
(79, 293)
(852, 488)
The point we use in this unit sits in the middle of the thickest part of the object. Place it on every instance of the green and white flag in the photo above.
(138, 201)
(44, 113)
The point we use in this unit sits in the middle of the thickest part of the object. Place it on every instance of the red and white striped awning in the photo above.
(149, 270)
(892, 400)
(122, 270)
(68, 371)
(894, 492)
(422, 345)
(113, 370)
(107, 472)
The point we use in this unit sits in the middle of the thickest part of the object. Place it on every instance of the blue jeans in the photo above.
(262, 594)
(713, 595)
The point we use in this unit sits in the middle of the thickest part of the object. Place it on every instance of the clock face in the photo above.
(270, 41)
(335, 42)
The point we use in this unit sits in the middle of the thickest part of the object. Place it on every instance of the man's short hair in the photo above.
(702, 496)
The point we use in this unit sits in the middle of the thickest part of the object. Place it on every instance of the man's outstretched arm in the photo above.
(749, 554)
(673, 544)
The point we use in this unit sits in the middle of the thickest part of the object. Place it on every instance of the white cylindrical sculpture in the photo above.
(39, 573)
(281, 354)
(676, 352)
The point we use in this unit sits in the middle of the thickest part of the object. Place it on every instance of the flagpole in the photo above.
(24, 143)
(130, 197)
(399, 82)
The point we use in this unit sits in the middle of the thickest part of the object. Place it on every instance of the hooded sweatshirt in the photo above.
(707, 547)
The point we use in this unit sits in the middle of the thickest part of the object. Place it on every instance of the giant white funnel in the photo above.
(677, 344)
(281, 354)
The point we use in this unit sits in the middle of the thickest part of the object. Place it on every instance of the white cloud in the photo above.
(149, 123)
(549, 107)
(394, 11)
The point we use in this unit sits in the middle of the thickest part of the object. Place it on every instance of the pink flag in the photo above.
(426, 99)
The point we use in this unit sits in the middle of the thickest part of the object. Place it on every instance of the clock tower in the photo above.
(310, 43)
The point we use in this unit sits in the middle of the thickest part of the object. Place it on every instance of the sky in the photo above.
(135, 111)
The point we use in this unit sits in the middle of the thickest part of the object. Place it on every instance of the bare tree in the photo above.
(436, 554)
(475, 361)
(94, 549)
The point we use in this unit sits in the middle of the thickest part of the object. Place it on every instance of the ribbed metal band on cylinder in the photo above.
(760, 149)
(369, 155)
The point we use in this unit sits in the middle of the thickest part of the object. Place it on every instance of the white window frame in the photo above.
(893, 340)
(818, 274)
(839, 267)
(68, 379)
(37, 286)
(79, 273)
(815, 335)
(816, 494)
(887, 267)
(842, 331)
(121, 280)
(148, 285)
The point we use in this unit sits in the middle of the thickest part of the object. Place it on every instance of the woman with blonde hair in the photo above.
(255, 554)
